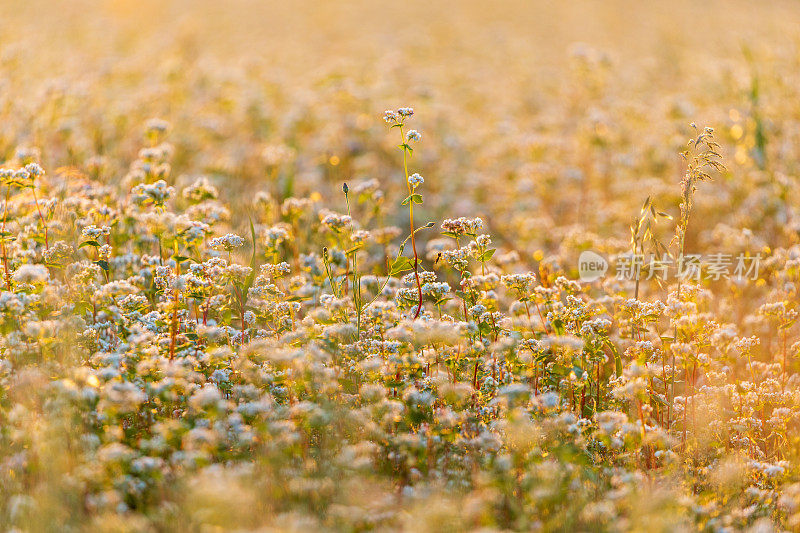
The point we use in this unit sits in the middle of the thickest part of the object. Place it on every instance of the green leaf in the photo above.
(82, 307)
(89, 243)
(401, 264)
(485, 256)
(485, 329)
(102, 264)
(416, 198)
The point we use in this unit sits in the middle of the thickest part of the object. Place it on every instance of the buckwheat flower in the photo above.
(366, 187)
(157, 193)
(410, 279)
(238, 273)
(413, 135)
(41, 329)
(483, 240)
(296, 207)
(518, 282)
(200, 190)
(220, 375)
(462, 225)
(209, 212)
(104, 252)
(270, 272)
(123, 396)
(34, 170)
(415, 180)
(405, 111)
(22, 178)
(193, 231)
(58, 252)
(227, 242)
(335, 221)
(35, 274)
(390, 116)
(547, 401)
(477, 310)
(275, 235)
(150, 155)
(92, 232)
(360, 236)
(436, 290)
(156, 126)
(567, 285)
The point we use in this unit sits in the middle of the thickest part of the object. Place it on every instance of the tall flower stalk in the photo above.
(356, 238)
(5, 175)
(397, 120)
(701, 158)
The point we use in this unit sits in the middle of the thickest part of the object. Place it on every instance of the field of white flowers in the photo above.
(313, 265)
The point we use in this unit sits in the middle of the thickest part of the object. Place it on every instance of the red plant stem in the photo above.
(411, 223)
(3, 239)
(44, 224)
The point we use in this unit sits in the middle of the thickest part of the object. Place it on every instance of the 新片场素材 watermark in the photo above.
(689, 267)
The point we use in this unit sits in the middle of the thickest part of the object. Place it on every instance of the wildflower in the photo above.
(227, 242)
(157, 193)
(35, 274)
(390, 116)
(200, 190)
(462, 226)
(335, 221)
(415, 180)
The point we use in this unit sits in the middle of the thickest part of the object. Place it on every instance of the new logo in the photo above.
(591, 266)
